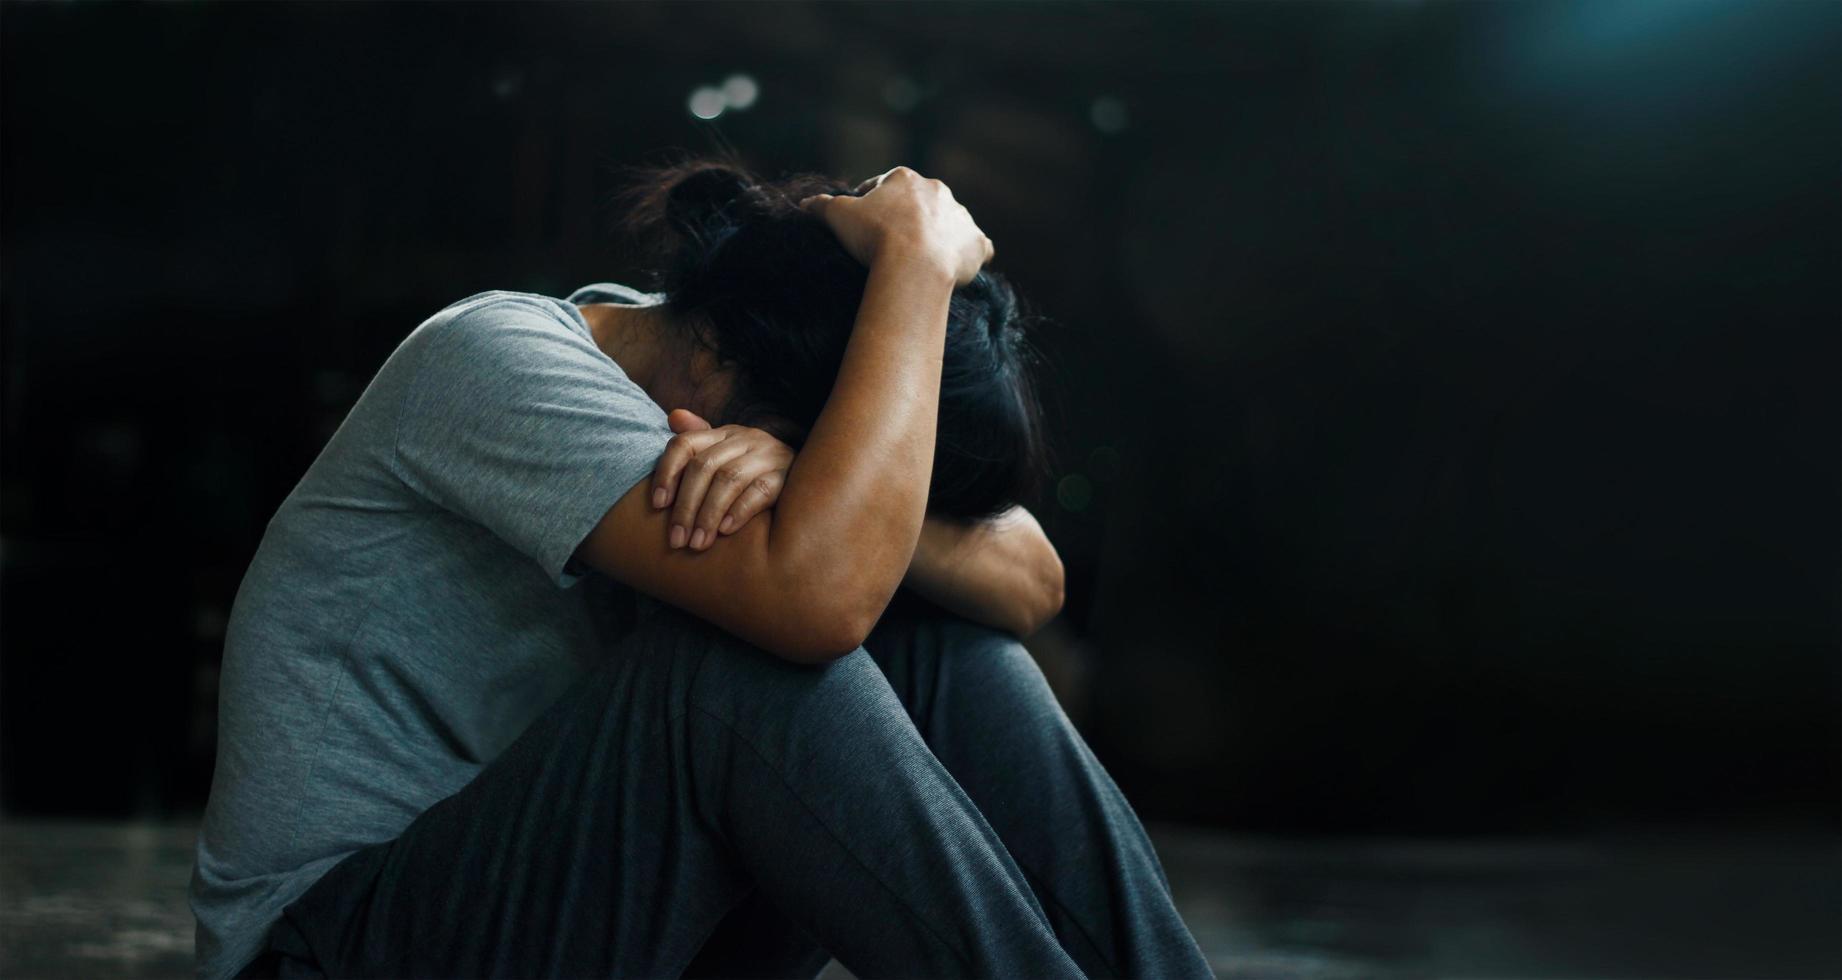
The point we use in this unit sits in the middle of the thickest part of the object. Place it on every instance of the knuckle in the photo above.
(697, 466)
(763, 485)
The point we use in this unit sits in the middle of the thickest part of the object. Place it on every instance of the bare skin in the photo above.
(1003, 573)
(808, 578)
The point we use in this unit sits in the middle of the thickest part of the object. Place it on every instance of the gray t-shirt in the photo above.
(413, 605)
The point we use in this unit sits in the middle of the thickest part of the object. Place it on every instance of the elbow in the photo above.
(830, 603)
(1033, 611)
(1050, 593)
(818, 645)
(1053, 607)
(823, 628)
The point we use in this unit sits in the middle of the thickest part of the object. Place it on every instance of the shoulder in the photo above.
(502, 317)
(479, 337)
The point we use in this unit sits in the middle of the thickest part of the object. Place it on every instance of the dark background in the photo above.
(1445, 396)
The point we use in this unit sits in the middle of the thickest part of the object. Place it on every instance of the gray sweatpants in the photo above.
(921, 807)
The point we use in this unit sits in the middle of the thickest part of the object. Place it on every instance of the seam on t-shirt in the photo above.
(358, 626)
(361, 621)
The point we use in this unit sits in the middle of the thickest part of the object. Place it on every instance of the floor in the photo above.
(103, 900)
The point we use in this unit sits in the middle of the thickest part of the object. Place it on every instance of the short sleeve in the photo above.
(515, 420)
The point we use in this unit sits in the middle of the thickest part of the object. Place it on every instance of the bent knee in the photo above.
(737, 681)
(988, 664)
(789, 710)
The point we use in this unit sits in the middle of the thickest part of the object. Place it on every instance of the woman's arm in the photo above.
(809, 580)
(1003, 573)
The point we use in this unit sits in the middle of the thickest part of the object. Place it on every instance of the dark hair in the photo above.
(768, 288)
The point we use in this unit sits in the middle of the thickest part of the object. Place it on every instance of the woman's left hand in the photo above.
(716, 479)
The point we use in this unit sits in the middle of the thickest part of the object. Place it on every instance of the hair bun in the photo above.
(681, 215)
(707, 203)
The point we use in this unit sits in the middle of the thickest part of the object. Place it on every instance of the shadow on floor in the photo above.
(103, 900)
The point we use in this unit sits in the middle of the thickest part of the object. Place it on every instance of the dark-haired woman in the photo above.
(532, 678)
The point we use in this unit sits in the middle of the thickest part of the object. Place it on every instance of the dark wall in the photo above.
(1445, 394)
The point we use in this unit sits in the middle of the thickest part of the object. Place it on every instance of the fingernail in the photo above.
(728, 525)
(697, 538)
(677, 536)
(658, 497)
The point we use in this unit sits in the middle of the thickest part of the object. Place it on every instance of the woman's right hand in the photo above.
(907, 214)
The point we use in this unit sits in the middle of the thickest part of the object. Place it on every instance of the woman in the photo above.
(496, 703)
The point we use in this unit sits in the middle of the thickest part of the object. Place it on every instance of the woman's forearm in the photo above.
(850, 514)
(1004, 573)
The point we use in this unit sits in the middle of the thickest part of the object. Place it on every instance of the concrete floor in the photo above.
(102, 900)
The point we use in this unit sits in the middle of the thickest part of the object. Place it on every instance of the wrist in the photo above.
(914, 255)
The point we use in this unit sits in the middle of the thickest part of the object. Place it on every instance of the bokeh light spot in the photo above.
(1109, 114)
(1074, 492)
(707, 102)
(740, 91)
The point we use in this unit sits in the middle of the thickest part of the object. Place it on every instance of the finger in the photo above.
(758, 496)
(693, 484)
(678, 453)
(816, 204)
(685, 420)
(725, 487)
